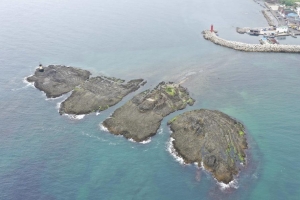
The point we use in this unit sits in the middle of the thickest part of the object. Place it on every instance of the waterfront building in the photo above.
(282, 29)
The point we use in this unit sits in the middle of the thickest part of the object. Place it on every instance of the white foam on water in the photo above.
(55, 98)
(160, 131)
(93, 136)
(103, 128)
(28, 84)
(173, 152)
(75, 117)
(131, 140)
(58, 105)
(231, 184)
(97, 113)
(146, 141)
(222, 186)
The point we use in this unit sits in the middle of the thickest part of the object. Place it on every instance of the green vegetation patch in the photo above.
(170, 90)
(241, 133)
(101, 108)
(172, 120)
(241, 158)
(289, 2)
(77, 88)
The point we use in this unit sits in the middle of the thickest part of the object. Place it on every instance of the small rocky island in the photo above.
(56, 80)
(140, 118)
(212, 138)
(98, 94)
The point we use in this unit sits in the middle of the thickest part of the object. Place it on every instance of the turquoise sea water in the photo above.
(47, 156)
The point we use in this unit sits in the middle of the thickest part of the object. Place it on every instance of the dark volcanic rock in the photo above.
(98, 94)
(141, 117)
(56, 80)
(211, 137)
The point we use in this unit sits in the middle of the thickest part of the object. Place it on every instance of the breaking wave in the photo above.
(231, 184)
(173, 152)
(103, 128)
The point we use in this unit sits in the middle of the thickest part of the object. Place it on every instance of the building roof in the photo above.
(292, 15)
(282, 27)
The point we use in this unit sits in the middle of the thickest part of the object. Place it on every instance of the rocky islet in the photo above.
(211, 138)
(56, 80)
(141, 117)
(98, 94)
(207, 137)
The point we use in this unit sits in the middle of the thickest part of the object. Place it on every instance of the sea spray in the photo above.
(231, 184)
(172, 151)
(103, 128)
(74, 117)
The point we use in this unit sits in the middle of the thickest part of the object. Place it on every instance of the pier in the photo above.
(211, 36)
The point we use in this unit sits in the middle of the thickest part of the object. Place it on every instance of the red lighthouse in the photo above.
(212, 28)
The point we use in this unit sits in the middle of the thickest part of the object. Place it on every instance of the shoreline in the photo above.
(211, 36)
(222, 186)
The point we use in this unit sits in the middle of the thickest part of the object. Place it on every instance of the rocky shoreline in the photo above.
(98, 94)
(56, 80)
(211, 36)
(140, 118)
(212, 138)
(209, 138)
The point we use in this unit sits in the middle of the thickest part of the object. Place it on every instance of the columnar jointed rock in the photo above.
(211, 137)
(141, 117)
(250, 47)
(98, 94)
(56, 80)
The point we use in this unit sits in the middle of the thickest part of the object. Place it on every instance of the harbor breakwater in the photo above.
(268, 18)
(211, 36)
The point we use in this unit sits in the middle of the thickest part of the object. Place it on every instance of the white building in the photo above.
(282, 29)
(298, 10)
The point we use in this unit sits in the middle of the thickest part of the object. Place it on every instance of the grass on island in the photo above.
(170, 90)
(241, 133)
(241, 158)
(77, 88)
(101, 108)
(172, 120)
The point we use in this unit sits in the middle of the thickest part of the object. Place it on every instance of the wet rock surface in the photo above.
(140, 118)
(98, 94)
(56, 80)
(212, 138)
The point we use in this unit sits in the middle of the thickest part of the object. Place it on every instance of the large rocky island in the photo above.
(212, 138)
(140, 118)
(56, 80)
(98, 94)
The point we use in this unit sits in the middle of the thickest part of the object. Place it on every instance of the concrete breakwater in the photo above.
(211, 36)
(268, 18)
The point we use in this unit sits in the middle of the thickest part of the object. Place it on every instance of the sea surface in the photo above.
(50, 157)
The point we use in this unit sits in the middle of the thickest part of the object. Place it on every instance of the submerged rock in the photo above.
(212, 138)
(98, 94)
(56, 80)
(141, 117)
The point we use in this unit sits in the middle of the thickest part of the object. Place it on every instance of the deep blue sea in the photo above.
(45, 156)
